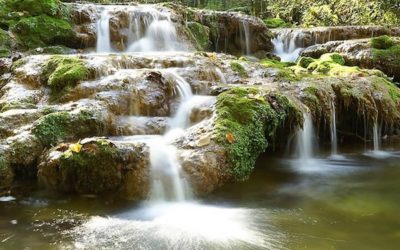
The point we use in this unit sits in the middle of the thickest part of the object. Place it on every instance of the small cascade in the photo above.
(333, 129)
(168, 181)
(103, 33)
(286, 45)
(305, 143)
(149, 30)
(376, 138)
(245, 36)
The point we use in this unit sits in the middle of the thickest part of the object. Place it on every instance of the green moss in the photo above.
(201, 34)
(41, 31)
(382, 42)
(243, 115)
(238, 68)
(333, 57)
(60, 126)
(277, 22)
(94, 169)
(304, 62)
(35, 7)
(5, 44)
(388, 60)
(60, 72)
(283, 68)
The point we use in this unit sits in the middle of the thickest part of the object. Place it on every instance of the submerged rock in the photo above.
(96, 166)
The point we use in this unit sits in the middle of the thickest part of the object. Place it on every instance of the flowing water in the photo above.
(348, 204)
(333, 130)
(286, 45)
(149, 30)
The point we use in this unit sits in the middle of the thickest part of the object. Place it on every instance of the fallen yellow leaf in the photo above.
(76, 147)
(230, 137)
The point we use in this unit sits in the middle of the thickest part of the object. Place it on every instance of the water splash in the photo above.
(286, 45)
(149, 30)
(103, 33)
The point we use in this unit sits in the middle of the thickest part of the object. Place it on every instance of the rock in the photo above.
(98, 166)
(204, 141)
(362, 54)
(227, 25)
(307, 37)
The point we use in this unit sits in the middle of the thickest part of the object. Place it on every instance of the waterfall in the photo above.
(149, 30)
(103, 33)
(304, 140)
(333, 129)
(169, 183)
(285, 45)
(376, 137)
(244, 29)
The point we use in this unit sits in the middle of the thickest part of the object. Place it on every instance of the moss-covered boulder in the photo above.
(64, 126)
(243, 116)
(62, 71)
(386, 55)
(35, 7)
(42, 31)
(5, 44)
(96, 166)
(201, 34)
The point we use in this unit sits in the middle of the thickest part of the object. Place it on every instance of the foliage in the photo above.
(276, 23)
(320, 16)
(5, 44)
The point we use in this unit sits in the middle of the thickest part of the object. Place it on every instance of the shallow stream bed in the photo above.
(349, 201)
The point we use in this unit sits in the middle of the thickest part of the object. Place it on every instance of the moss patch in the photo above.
(382, 42)
(94, 168)
(386, 55)
(5, 44)
(60, 72)
(201, 34)
(41, 31)
(60, 126)
(242, 119)
(283, 68)
(238, 68)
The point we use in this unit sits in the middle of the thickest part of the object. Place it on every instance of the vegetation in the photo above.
(61, 71)
(61, 126)
(386, 54)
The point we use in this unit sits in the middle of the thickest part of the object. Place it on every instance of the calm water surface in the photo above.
(347, 202)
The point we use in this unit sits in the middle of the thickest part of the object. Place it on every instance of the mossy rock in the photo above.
(60, 72)
(237, 67)
(5, 44)
(382, 42)
(35, 7)
(333, 57)
(388, 59)
(284, 69)
(61, 126)
(42, 31)
(241, 123)
(304, 62)
(201, 34)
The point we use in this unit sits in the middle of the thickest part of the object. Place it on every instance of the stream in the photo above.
(353, 204)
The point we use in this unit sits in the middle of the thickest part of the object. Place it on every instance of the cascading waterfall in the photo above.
(245, 31)
(333, 129)
(286, 45)
(169, 183)
(305, 140)
(376, 136)
(103, 33)
(149, 30)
